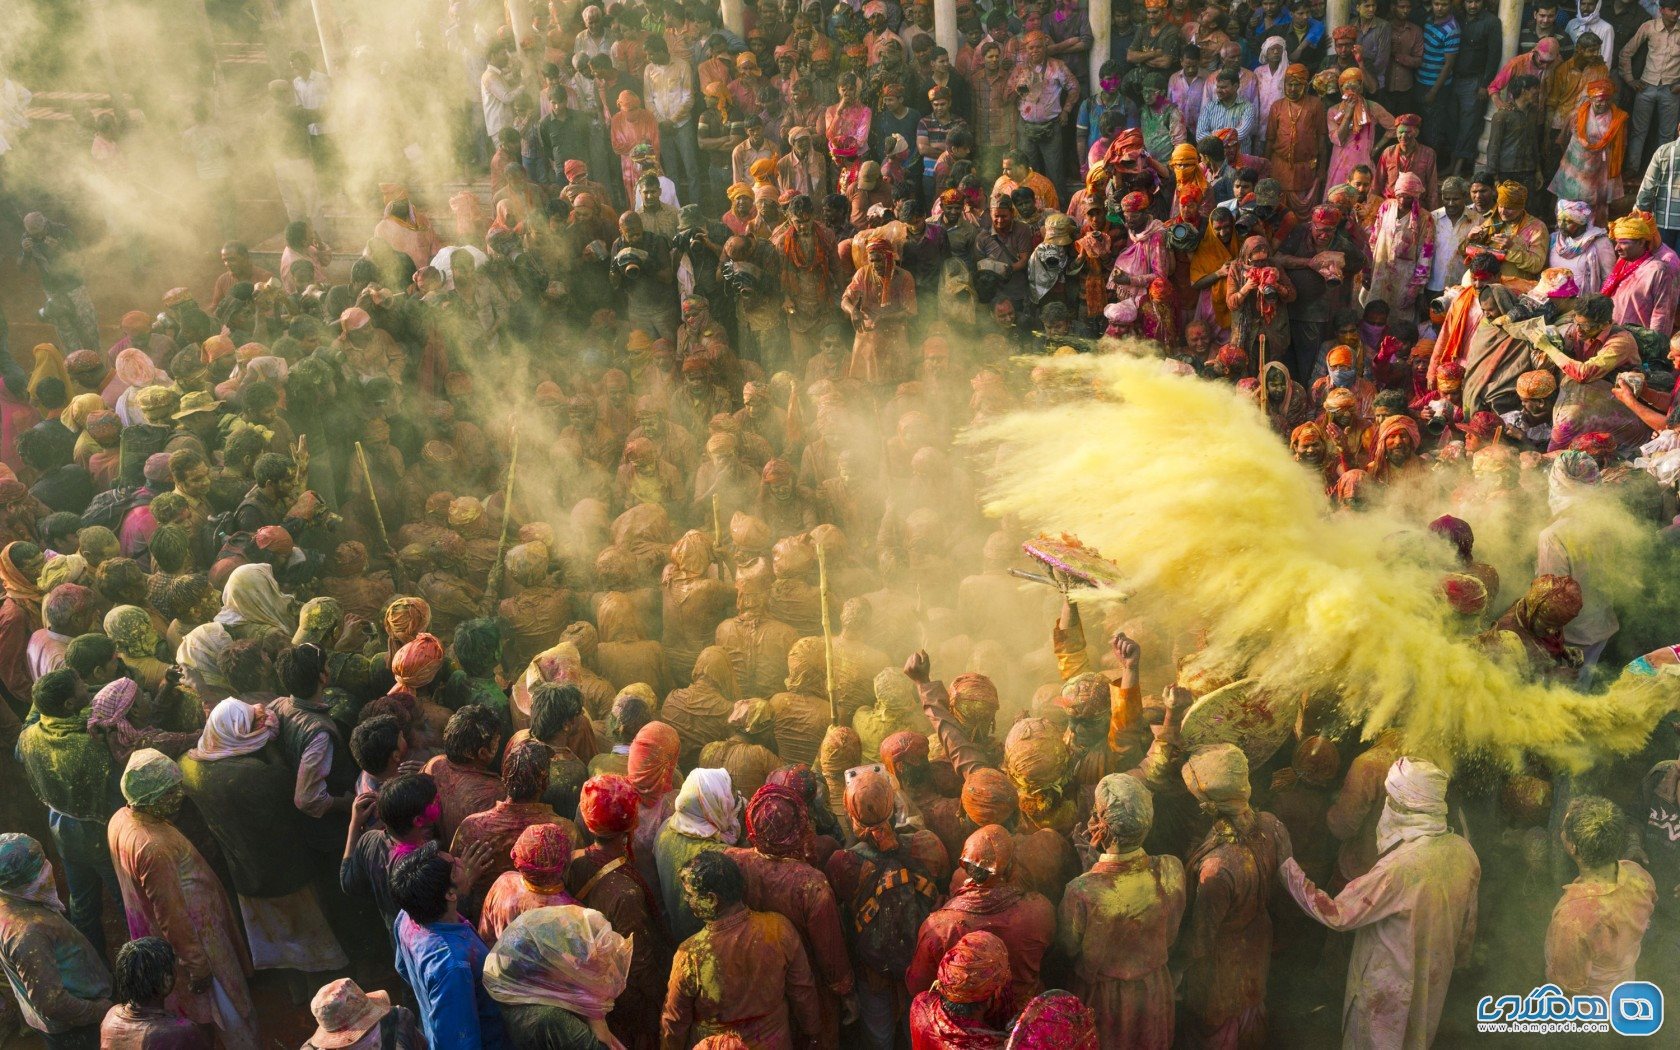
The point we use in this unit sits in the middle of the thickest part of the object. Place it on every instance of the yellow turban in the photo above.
(1513, 194)
(1184, 153)
(738, 190)
(1636, 227)
(1352, 75)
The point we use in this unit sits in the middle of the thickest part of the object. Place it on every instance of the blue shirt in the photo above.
(1439, 41)
(443, 962)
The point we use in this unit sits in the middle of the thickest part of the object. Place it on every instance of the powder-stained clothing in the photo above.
(671, 851)
(800, 893)
(461, 791)
(1117, 923)
(444, 963)
(1414, 915)
(802, 721)
(759, 652)
(59, 982)
(741, 974)
(1593, 942)
(169, 891)
(131, 1027)
(499, 827)
(1353, 815)
(749, 764)
(1023, 920)
(613, 887)
(510, 897)
(1227, 942)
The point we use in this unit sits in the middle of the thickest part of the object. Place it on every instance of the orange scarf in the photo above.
(1455, 330)
(1614, 138)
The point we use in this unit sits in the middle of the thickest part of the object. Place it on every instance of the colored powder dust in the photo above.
(1217, 530)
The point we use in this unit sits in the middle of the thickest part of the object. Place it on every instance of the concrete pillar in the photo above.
(1511, 21)
(1337, 13)
(945, 32)
(1102, 37)
(735, 17)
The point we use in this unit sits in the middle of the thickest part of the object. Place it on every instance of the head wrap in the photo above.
(252, 596)
(1409, 184)
(1296, 71)
(990, 848)
(1456, 531)
(149, 775)
(653, 759)
(1512, 194)
(1635, 227)
(541, 853)
(1339, 398)
(988, 797)
(234, 728)
(1580, 211)
(1350, 76)
(1185, 153)
(1417, 803)
(1218, 777)
(974, 969)
(776, 822)
(1339, 357)
(608, 804)
(1315, 762)
(751, 716)
(974, 700)
(108, 716)
(1466, 595)
(406, 617)
(1343, 34)
(1122, 814)
(870, 801)
(567, 957)
(418, 662)
(1327, 215)
(24, 871)
(706, 807)
(1054, 1020)
(904, 750)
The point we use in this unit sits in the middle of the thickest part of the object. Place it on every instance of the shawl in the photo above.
(706, 807)
(252, 596)
(200, 652)
(235, 728)
(109, 717)
(19, 587)
(653, 760)
(1613, 140)
(568, 957)
(1395, 236)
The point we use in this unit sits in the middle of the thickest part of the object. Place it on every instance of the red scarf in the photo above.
(1622, 271)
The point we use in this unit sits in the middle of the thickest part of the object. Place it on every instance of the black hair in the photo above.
(245, 444)
(363, 271)
(54, 693)
(554, 706)
(245, 665)
(1595, 307)
(51, 393)
(121, 581)
(402, 801)
(1482, 178)
(469, 731)
(477, 646)
(525, 770)
(89, 653)
(1596, 828)
(421, 883)
(44, 450)
(296, 234)
(144, 971)
(271, 466)
(629, 714)
(716, 875)
(299, 669)
(59, 524)
(374, 741)
(258, 395)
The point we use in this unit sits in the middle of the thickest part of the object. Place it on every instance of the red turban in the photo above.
(573, 169)
(798, 778)
(653, 758)
(417, 662)
(988, 797)
(1227, 136)
(776, 822)
(608, 804)
(1455, 531)
(1327, 215)
(1344, 33)
(1127, 140)
(1055, 1020)
(406, 617)
(542, 851)
(1466, 594)
(904, 750)
(974, 969)
(974, 699)
(1137, 200)
(1410, 120)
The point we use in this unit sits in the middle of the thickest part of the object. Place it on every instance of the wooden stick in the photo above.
(379, 518)
(493, 586)
(828, 637)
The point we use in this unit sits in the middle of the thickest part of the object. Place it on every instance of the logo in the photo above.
(1634, 1008)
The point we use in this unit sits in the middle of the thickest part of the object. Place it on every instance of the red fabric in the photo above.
(653, 760)
(418, 662)
(608, 804)
(777, 824)
(975, 969)
(542, 851)
(931, 1028)
(1056, 1020)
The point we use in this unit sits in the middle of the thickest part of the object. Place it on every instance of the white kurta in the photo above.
(1414, 916)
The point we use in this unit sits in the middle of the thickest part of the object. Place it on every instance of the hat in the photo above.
(1409, 120)
(354, 317)
(573, 169)
(1537, 384)
(1483, 424)
(195, 402)
(154, 398)
(345, 1013)
(177, 296)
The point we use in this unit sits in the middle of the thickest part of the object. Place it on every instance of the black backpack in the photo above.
(894, 895)
(110, 507)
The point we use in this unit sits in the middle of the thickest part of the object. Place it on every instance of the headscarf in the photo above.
(777, 824)
(751, 716)
(253, 596)
(568, 957)
(1457, 532)
(653, 760)
(417, 663)
(988, 797)
(130, 628)
(149, 776)
(1558, 598)
(406, 617)
(19, 587)
(235, 728)
(608, 804)
(541, 853)
(1573, 473)
(25, 874)
(1122, 814)
(1218, 777)
(904, 750)
(974, 700)
(1037, 761)
(1416, 806)
(870, 802)
(1315, 763)
(1054, 1020)
(108, 716)
(840, 750)
(706, 807)
(974, 969)
(66, 568)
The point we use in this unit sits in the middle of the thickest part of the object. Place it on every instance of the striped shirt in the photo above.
(1440, 39)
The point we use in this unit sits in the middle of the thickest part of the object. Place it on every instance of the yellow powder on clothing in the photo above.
(1215, 528)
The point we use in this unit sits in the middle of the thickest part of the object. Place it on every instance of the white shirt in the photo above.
(497, 97)
(668, 91)
(1599, 28)
(1446, 245)
(667, 194)
(311, 93)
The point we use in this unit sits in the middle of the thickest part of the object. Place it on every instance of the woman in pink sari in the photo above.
(1353, 128)
(847, 117)
(631, 126)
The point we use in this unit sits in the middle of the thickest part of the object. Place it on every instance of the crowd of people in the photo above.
(570, 620)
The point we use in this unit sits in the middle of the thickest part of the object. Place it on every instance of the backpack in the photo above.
(893, 897)
(110, 507)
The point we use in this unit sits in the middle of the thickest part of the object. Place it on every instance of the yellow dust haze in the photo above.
(1183, 484)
